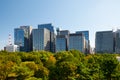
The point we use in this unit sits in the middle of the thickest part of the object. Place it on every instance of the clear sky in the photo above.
(73, 15)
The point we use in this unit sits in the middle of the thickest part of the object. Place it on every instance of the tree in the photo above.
(22, 72)
(42, 72)
(65, 70)
(108, 65)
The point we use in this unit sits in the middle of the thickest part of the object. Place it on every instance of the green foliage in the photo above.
(64, 65)
(22, 72)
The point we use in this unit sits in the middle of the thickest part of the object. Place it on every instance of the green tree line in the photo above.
(64, 65)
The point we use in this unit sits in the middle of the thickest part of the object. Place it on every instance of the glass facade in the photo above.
(86, 34)
(61, 43)
(77, 42)
(19, 37)
(87, 41)
(104, 42)
(48, 26)
(117, 41)
(41, 39)
(52, 35)
(23, 38)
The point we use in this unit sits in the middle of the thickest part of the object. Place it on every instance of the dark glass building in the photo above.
(104, 42)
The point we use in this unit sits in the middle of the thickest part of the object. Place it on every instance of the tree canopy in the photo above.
(64, 65)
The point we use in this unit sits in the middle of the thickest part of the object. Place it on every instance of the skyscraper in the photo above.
(61, 43)
(48, 26)
(41, 39)
(117, 41)
(52, 34)
(104, 42)
(62, 40)
(77, 41)
(86, 34)
(23, 38)
(87, 41)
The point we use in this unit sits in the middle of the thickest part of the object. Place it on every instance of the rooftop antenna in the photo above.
(10, 40)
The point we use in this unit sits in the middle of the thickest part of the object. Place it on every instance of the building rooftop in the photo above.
(76, 34)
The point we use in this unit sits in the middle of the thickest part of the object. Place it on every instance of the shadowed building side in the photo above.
(104, 42)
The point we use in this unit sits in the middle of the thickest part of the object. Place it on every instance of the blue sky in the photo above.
(74, 15)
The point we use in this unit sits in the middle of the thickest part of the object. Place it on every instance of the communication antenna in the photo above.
(10, 40)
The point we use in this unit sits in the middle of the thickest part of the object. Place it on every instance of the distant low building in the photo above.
(12, 48)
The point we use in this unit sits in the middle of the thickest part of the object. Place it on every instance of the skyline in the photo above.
(72, 15)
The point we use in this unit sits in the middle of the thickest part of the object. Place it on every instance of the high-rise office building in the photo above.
(52, 34)
(41, 39)
(62, 40)
(64, 32)
(23, 38)
(77, 42)
(48, 26)
(104, 42)
(117, 41)
(87, 41)
(86, 34)
(61, 43)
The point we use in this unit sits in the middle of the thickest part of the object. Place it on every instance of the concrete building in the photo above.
(23, 38)
(104, 42)
(77, 42)
(41, 39)
(52, 34)
(12, 48)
